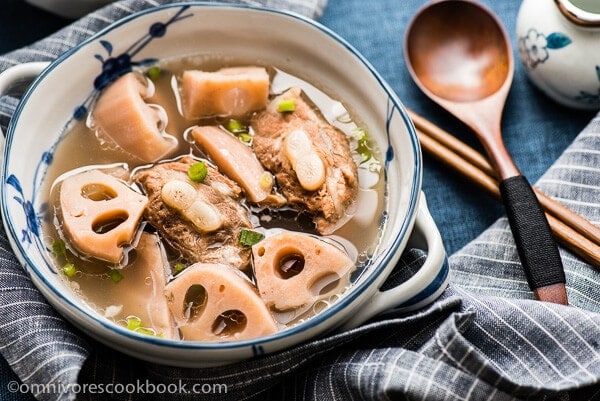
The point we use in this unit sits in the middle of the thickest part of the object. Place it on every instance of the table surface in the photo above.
(536, 130)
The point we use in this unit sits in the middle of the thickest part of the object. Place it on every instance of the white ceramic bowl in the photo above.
(288, 41)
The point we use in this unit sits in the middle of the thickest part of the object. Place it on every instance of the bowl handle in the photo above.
(14, 80)
(424, 286)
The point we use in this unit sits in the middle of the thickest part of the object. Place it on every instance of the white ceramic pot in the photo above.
(558, 45)
(64, 88)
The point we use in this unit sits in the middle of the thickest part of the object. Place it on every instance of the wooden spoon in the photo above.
(459, 54)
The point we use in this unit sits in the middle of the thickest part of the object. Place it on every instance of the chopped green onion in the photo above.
(114, 275)
(143, 330)
(286, 105)
(59, 248)
(363, 148)
(235, 126)
(134, 322)
(197, 172)
(249, 237)
(245, 137)
(238, 129)
(69, 270)
(178, 268)
(153, 73)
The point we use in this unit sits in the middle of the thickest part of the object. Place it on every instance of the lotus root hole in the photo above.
(325, 284)
(108, 222)
(261, 251)
(229, 323)
(289, 265)
(195, 301)
(98, 192)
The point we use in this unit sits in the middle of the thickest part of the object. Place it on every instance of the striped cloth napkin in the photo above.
(484, 339)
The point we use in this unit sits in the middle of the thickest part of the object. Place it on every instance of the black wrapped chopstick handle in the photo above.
(536, 247)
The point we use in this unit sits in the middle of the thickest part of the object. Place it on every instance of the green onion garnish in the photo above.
(114, 275)
(143, 330)
(286, 105)
(235, 126)
(69, 270)
(238, 129)
(249, 237)
(179, 267)
(245, 137)
(153, 73)
(197, 172)
(59, 248)
(363, 148)
(134, 322)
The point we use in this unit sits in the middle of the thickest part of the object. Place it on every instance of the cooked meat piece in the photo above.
(203, 226)
(311, 160)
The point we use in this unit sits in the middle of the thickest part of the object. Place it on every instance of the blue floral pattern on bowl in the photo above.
(112, 68)
(115, 66)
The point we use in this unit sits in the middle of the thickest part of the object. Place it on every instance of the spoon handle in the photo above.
(536, 247)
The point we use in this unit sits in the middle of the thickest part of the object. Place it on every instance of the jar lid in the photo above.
(576, 12)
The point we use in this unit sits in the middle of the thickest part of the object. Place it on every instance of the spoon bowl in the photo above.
(459, 54)
(458, 65)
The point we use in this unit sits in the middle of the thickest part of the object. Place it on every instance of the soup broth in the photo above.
(136, 290)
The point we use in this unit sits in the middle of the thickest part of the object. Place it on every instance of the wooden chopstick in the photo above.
(570, 229)
(560, 211)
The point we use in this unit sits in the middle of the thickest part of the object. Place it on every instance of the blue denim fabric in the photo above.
(483, 339)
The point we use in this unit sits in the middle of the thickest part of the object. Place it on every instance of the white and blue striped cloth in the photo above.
(484, 339)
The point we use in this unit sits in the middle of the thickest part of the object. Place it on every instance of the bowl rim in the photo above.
(384, 258)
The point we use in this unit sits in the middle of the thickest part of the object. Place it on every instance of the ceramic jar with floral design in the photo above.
(559, 46)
